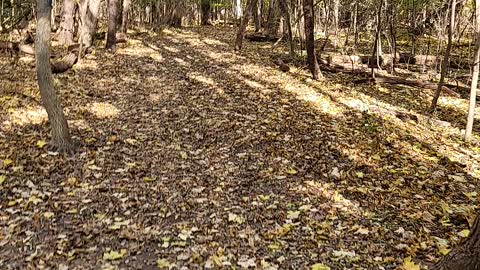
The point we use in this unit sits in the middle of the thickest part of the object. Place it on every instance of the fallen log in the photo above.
(259, 37)
(409, 82)
(65, 63)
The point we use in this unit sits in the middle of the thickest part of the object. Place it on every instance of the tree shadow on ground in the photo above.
(225, 159)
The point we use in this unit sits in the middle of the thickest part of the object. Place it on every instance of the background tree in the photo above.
(475, 73)
(60, 132)
(112, 24)
(308, 13)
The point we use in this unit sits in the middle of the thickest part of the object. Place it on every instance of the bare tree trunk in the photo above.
(112, 24)
(475, 73)
(89, 10)
(286, 15)
(377, 44)
(67, 25)
(465, 256)
(446, 57)
(205, 8)
(243, 25)
(310, 38)
(257, 16)
(125, 11)
(60, 133)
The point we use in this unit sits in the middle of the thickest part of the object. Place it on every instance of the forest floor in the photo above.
(192, 156)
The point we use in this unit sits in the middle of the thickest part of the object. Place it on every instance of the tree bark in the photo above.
(466, 256)
(243, 24)
(377, 44)
(308, 14)
(286, 15)
(67, 24)
(257, 16)
(205, 8)
(112, 24)
(89, 15)
(60, 132)
(475, 73)
(446, 57)
(125, 11)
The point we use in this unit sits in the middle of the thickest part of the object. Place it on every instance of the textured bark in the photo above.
(243, 24)
(377, 44)
(466, 256)
(89, 12)
(66, 31)
(112, 24)
(206, 8)
(125, 11)
(308, 14)
(60, 133)
(446, 57)
(476, 69)
(286, 16)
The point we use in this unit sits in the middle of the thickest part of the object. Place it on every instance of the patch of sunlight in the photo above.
(25, 116)
(182, 62)
(103, 110)
(202, 79)
(328, 191)
(171, 49)
(253, 84)
(79, 124)
(86, 64)
(251, 70)
(222, 57)
(150, 51)
(210, 41)
(353, 103)
(321, 102)
(27, 59)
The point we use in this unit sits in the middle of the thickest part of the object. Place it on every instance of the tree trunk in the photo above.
(273, 19)
(237, 5)
(465, 256)
(476, 68)
(205, 8)
(60, 133)
(89, 12)
(125, 11)
(446, 57)
(243, 24)
(67, 24)
(257, 16)
(310, 38)
(112, 24)
(286, 15)
(377, 44)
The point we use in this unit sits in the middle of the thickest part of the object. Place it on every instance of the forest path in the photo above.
(192, 155)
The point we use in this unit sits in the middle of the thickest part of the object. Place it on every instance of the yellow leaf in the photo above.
(7, 162)
(359, 174)
(464, 233)
(163, 263)
(292, 171)
(183, 155)
(41, 144)
(148, 179)
(320, 266)
(114, 255)
(409, 265)
(2, 179)
(363, 231)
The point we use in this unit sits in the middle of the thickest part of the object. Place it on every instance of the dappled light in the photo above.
(191, 155)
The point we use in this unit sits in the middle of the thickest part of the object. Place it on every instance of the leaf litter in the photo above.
(190, 155)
